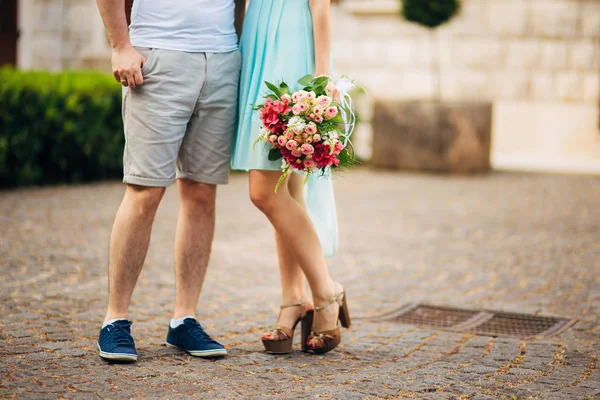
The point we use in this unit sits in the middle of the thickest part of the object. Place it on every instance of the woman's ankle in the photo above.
(324, 297)
(293, 297)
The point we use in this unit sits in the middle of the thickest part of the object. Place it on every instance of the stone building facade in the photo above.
(536, 61)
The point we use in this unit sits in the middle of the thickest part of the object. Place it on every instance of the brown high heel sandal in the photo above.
(329, 340)
(284, 336)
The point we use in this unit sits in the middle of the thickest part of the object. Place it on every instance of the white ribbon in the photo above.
(345, 85)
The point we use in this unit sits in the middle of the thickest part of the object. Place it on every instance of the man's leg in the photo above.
(203, 162)
(193, 242)
(155, 118)
(128, 246)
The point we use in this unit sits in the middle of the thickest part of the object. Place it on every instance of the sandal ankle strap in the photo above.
(301, 304)
(335, 299)
(338, 298)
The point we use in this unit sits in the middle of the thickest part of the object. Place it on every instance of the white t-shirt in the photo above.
(184, 25)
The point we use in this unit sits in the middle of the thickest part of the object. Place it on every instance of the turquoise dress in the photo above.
(277, 45)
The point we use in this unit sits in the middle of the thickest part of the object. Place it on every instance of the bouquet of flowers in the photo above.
(307, 129)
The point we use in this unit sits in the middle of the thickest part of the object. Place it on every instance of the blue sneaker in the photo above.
(190, 337)
(115, 342)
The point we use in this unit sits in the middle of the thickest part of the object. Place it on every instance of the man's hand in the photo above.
(127, 66)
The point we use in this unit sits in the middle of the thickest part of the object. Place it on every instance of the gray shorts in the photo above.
(180, 123)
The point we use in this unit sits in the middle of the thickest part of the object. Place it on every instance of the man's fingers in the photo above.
(116, 75)
(122, 76)
(137, 76)
(131, 81)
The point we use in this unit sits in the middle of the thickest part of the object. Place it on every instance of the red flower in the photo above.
(271, 121)
(286, 109)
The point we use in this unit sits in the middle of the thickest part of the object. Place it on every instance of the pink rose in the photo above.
(311, 95)
(303, 94)
(286, 98)
(331, 112)
(311, 128)
(319, 119)
(303, 107)
(324, 101)
(338, 147)
(318, 111)
(289, 135)
(291, 145)
(307, 149)
(296, 109)
(272, 139)
(310, 116)
(281, 140)
(317, 137)
(296, 97)
(296, 152)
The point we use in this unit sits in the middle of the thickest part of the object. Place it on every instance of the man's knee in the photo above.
(197, 194)
(146, 199)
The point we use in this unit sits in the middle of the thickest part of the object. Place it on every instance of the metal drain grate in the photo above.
(520, 325)
(440, 317)
(480, 322)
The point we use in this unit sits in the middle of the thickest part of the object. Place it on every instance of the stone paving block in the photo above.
(521, 244)
(81, 396)
(38, 396)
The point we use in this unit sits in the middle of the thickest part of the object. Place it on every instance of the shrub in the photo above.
(429, 13)
(59, 127)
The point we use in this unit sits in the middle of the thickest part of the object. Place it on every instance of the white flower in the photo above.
(296, 124)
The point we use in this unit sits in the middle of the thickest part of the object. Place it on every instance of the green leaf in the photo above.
(274, 155)
(285, 89)
(338, 119)
(320, 90)
(306, 80)
(321, 81)
(274, 89)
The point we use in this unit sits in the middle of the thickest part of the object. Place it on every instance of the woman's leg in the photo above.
(295, 230)
(293, 286)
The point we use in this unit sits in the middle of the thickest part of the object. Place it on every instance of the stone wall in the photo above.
(61, 34)
(542, 50)
(537, 61)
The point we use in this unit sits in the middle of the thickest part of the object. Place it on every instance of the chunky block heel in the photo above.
(284, 336)
(324, 341)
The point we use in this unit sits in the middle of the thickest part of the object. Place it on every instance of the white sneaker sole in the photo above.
(201, 353)
(116, 356)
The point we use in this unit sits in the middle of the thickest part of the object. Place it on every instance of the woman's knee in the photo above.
(263, 199)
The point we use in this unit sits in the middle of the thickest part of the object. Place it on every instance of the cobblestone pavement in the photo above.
(526, 243)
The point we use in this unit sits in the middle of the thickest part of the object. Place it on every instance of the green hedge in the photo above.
(59, 127)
